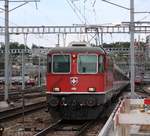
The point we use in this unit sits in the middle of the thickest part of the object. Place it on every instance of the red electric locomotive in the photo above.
(81, 80)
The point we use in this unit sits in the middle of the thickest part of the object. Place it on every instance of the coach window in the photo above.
(110, 64)
(100, 64)
(61, 63)
(87, 64)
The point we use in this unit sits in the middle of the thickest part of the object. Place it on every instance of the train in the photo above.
(16, 81)
(81, 80)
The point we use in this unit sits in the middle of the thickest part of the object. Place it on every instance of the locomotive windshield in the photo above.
(87, 64)
(61, 63)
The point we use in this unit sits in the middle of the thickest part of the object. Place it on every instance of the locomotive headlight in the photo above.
(91, 89)
(56, 89)
(74, 56)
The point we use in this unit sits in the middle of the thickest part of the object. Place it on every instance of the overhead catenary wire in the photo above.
(24, 3)
(82, 16)
(115, 4)
(19, 6)
(94, 3)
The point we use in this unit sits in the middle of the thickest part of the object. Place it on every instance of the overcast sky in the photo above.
(59, 12)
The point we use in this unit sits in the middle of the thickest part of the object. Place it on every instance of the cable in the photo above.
(75, 11)
(144, 17)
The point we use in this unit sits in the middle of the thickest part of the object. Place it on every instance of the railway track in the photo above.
(65, 128)
(77, 128)
(13, 95)
(16, 111)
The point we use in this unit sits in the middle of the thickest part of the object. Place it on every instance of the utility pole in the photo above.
(132, 79)
(6, 49)
(23, 68)
(58, 41)
(6, 9)
(23, 61)
(132, 26)
(101, 37)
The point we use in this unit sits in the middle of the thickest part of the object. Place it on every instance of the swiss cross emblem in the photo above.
(74, 80)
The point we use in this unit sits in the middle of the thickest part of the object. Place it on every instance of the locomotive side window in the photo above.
(100, 64)
(61, 63)
(87, 64)
(49, 62)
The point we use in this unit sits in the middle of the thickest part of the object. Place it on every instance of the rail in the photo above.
(74, 128)
(46, 130)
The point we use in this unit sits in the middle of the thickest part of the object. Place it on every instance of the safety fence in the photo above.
(130, 117)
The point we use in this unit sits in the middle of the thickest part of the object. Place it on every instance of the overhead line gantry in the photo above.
(79, 29)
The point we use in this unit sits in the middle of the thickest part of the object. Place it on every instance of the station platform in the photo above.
(131, 117)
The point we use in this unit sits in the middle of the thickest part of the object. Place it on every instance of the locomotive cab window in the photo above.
(61, 64)
(49, 62)
(87, 64)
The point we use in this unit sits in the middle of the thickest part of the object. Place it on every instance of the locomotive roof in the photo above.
(77, 49)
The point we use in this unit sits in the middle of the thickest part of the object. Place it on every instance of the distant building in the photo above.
(147, 54)
(122, 55)
(36, 51)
